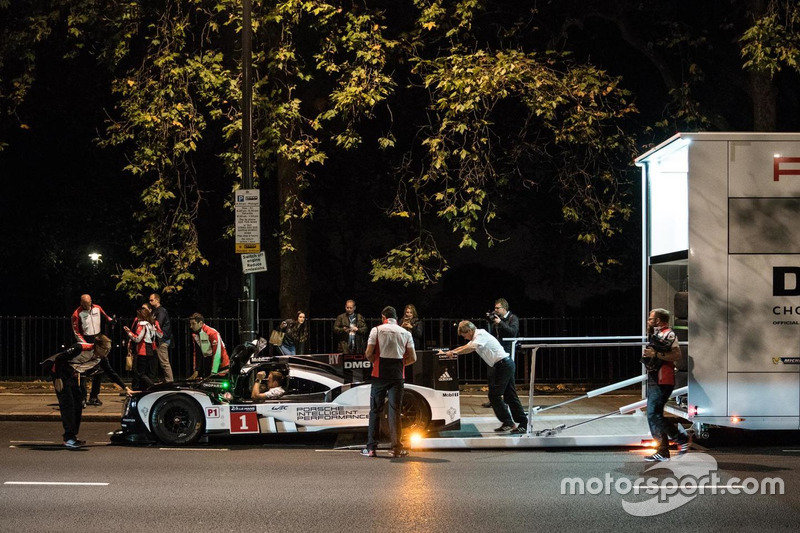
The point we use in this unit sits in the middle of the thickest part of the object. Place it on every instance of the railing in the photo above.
(25, 341)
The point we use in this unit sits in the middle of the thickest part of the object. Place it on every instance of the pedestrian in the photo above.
(86, 324)
(209, 355)
(390, 349)
(414, 325)
(295, 334)
(68, 369)
(145, 349)
(659, 357)
(161, 316)
(502, 392)
(350, 329)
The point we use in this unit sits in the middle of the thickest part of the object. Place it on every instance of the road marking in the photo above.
(56, 483)
(791, 451)
(34, 441)
(194, 449)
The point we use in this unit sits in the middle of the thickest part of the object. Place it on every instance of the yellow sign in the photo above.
(248, 248)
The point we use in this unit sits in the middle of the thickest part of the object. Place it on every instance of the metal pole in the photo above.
(248, 302)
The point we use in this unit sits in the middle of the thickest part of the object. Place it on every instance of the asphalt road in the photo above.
(302, 484)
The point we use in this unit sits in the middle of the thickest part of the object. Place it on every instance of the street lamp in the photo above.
(96, 258)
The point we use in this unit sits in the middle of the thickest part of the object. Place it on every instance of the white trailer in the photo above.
(721, 249)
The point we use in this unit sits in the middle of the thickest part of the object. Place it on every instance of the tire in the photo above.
(177, 420)
(415, 414)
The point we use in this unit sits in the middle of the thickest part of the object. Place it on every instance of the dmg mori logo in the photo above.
(786, 281)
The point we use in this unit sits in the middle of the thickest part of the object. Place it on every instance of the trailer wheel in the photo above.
(177, 420)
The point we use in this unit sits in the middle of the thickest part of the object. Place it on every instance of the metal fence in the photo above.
(26, 341)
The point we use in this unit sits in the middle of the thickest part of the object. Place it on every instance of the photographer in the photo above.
(504, 325)
(659, 359)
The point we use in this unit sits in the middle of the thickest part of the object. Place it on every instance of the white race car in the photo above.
(321, 395)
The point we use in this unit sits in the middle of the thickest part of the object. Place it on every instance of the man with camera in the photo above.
(659, 358)
(504, 325)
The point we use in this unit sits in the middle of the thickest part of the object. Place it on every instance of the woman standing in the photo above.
(144, 346)
(296, 335)
(412, 323)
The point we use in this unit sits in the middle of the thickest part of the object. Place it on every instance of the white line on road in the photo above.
(56, 483)
(791, 451)
(194, 449)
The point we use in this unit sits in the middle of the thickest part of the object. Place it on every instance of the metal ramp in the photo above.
(626, 426)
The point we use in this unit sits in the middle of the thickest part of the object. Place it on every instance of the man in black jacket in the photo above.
(504, 325)
(161, 315)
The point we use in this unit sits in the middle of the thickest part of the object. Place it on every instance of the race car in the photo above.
(322, 393)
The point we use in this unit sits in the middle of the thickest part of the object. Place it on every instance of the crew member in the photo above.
(390, 349)
(502, 393)
(68, 368)
(85, 325)
(660, 384)
(212, 357)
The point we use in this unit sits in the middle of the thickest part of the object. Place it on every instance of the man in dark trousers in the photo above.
(504, 325)
(659, 357)
(390, 349)
(85, 326)
(68, 369)
(162, 317)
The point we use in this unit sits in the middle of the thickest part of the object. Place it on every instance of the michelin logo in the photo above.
(445, 376)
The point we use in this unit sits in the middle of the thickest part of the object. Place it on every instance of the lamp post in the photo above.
(247, 302)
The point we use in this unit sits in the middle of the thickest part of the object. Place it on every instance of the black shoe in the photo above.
(520, 430)
(80, 442)
(504, 428)
(94, 401)
(486, 404)
(398, 453)
(83, 404)
(72, 444)
(656, 458)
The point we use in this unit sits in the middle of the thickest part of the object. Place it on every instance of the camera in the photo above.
(491, 315)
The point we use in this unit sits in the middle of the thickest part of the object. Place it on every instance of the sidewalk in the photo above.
(36, 400)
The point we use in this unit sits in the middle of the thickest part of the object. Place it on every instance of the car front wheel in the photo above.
(177, 420)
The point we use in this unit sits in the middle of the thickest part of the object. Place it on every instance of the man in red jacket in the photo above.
(85, 326)
(212, 358)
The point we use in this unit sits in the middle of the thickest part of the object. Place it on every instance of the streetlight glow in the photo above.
(96, 258)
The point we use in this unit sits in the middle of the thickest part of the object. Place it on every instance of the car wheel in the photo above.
(177, 419)
(415, 414)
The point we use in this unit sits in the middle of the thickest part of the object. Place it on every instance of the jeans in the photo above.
(660, 428)
(381, 388)
(503, 394)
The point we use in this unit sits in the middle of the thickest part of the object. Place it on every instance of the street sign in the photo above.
(248, 221)
(252, 263)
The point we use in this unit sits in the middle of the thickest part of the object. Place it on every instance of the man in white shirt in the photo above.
(502, 393)
(274, 386)
(390, 349)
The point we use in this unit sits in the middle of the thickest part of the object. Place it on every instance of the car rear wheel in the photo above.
(415, 414)
(177, 420)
